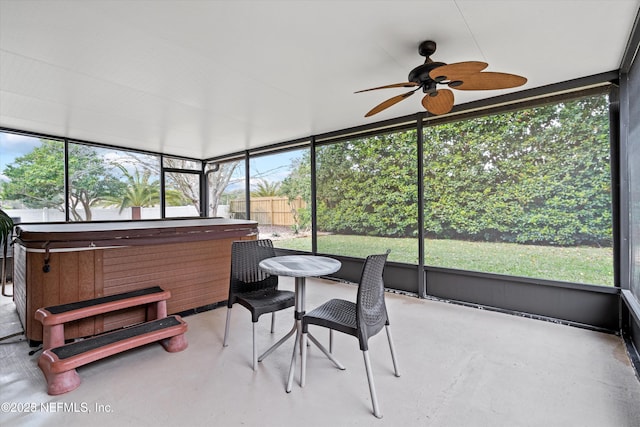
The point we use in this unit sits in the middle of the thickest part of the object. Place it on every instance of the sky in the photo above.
(272, 168)
(12, 146)
(275, 167)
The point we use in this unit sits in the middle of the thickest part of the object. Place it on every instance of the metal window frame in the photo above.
(414, 278)
(67, 141)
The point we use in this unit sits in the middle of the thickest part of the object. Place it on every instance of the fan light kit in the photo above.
(467, 75)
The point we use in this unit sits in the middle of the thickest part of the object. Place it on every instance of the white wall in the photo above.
(98, 214)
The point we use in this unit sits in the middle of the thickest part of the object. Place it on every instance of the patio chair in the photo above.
(253, 288)
(362, 319)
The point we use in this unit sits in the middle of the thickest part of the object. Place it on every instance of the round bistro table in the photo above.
(300, 267)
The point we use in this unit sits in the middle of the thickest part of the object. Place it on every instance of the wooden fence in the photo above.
(268, 210)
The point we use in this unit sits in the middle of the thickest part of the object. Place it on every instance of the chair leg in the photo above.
(393, 351)
(255, 348)
(330, 340)
(226, 327)
(273, 321)
(372, 387)
(303, 369)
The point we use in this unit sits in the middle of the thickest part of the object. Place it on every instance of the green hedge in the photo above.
(538, 176)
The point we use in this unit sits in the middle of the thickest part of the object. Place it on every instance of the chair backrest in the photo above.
(246, 276)
(371, 311)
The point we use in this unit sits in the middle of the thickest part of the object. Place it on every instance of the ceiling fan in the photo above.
(467, 75)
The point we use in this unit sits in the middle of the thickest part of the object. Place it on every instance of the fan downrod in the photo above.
(420, 74)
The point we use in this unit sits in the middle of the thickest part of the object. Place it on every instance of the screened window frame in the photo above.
(516, 100)
(67, 141)
(565, 91)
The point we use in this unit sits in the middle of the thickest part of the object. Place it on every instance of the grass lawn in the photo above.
(573, 264)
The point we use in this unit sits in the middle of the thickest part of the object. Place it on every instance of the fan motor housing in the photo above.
(420, 74)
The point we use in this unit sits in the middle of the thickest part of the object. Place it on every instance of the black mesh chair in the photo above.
(253, 288)
(362, 320)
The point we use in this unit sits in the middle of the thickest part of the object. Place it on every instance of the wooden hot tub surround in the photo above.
(64, 263)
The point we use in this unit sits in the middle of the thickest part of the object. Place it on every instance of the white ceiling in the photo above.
(207, 78)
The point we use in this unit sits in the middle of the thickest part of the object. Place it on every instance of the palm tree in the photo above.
(141, 192)
(6, 226)
(6, 230)
(265, 188)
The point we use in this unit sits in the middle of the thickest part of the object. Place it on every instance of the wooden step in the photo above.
(58, 364)
(64, 313)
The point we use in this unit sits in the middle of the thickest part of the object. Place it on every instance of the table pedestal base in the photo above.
(300, 291)
(279, 343)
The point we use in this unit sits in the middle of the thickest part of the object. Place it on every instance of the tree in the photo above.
(219, 179)
(265, 188)
(6, 226)
(37, 178)
(368, 186)
(141, 191)
(187, 184)
(6, 230)
(298, 185)
(180, 188)
(538, 175)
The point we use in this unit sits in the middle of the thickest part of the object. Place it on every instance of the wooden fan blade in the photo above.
(457, 70)
(405, 84)
(388, 103)
(441, 103)
(490, 80)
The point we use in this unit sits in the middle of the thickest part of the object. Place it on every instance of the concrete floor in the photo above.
(459, 366)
